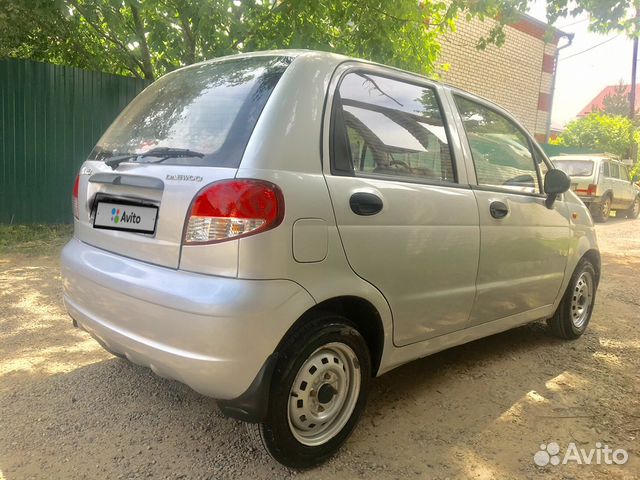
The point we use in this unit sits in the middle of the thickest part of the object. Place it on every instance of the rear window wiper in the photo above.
(113, 162)
(168, 152)
(163, 152)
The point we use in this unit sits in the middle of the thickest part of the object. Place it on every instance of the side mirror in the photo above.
(555, 183)
(634, 179)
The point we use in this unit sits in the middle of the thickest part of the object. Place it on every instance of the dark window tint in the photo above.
(501, 152)
(210, 108)
(605, 169)
(392, 128)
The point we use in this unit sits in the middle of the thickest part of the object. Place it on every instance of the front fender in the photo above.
(583, 242)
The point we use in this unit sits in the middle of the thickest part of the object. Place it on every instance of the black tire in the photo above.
(275, 433)
(564, 323)
(634, 210)
(600, 211)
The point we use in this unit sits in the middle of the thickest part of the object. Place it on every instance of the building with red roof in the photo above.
(597, 104)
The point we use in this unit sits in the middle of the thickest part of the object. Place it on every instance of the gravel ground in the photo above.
(70, 410)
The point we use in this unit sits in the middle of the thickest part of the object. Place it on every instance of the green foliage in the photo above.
(147, 38)
(555, 141)
(34, 239)
(605, 15)
(600, 132)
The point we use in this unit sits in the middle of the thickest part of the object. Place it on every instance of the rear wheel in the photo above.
(600, 211)
(634, 210)
(318, 392)
(574, 312)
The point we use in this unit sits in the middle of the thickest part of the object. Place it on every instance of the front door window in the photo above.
(502, 154)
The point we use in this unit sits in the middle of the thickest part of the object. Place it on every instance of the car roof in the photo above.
(585, 157)
(335, 59)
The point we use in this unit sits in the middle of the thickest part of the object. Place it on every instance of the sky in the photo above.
(581, 76)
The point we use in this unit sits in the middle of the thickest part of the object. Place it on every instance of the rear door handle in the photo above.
(364, 203)
(498, 209)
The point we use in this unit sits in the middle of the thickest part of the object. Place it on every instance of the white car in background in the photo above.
(602, 183)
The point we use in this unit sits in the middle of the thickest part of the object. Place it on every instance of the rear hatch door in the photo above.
(188, 129)
(140, 210)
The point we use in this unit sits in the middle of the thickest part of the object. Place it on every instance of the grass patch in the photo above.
(34, 239)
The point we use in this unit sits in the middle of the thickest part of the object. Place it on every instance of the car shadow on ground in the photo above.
(71, 410)
(126, 419)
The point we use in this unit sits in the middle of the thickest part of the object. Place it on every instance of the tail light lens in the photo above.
(589, 191)
(74, 198)
(232, 209)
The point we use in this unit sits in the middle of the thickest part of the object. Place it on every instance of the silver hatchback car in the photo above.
(275, 229)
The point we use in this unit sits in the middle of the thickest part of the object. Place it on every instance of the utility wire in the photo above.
(588, 49)
(574, 23)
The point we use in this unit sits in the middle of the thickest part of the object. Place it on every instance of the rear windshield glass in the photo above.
(575, 168)
(210, 108)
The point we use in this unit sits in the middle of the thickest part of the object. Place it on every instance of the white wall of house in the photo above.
(518, 75)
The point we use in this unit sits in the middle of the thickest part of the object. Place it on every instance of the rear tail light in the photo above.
(232, 209)
(74, 198)
(589, 191)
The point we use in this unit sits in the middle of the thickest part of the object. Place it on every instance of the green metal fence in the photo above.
(50, 119)
(553, 150)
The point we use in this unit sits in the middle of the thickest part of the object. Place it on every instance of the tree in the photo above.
(616, 103)
(146, 38)
(26, 32)
(605, 16)
(142, 38)
(600, 132)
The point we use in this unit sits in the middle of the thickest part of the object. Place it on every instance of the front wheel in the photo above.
(574, 312)
(318, 393)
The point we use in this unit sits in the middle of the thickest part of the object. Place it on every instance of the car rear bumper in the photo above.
(211, 333)
(588, 200)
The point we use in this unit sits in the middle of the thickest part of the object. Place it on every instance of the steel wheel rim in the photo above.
(581, 299)
(606, 207)
(324, 394)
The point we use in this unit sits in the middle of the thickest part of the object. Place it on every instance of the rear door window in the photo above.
(210, 108)
(501, 152)
(605, 169)
(624, 174)
(392, 128)
(615, 170)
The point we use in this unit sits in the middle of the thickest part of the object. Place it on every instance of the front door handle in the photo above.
(498, 209)
(364, 203)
